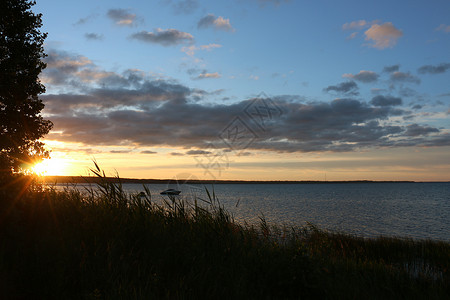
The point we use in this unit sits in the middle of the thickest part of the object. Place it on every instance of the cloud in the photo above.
(348, 87)
(176, 154)
(390, 69)
(355, 25)
(148, 152)
(385, 101)
(444, 28)
(133, 109)
(121, 17)
(208, 75)
(190, 50)
(164, 37)
(185, 6)
(119, 151)
(198, 152)
(404, 77)
(418, 130)
(363, 76)
(202, 74)
(218, 23)
(82, 21)
(429, 69)
(93, 36)
(383, 36)
(352, 36)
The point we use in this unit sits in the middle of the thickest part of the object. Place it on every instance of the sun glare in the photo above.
(50, 166)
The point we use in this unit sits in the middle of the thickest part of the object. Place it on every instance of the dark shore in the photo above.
(92, 179)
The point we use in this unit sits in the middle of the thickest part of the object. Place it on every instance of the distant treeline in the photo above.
(91, 179)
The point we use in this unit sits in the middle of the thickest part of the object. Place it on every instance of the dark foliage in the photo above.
(21, 53)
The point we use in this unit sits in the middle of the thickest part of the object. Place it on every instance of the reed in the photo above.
(106, 244)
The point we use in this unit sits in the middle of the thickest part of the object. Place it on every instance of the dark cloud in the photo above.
(418, 130)
(93, 36)
(429, 69)
(198, 152)
(176, 154)
(417, 106)
(148, 152)
(121, 17)
(364, 76)
(348, 88)
(385, 101)
(120, 151)
(134, 110)
(390, 69)
(404, 77)
(164, 37)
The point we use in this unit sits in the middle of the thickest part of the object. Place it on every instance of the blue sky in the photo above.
(351, 80)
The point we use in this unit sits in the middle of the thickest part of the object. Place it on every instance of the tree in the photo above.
(21, 54)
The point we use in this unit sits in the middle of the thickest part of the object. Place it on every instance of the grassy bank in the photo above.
(109, 245)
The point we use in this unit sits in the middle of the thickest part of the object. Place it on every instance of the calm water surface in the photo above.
(418, 210)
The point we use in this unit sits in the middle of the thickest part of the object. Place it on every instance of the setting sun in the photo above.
(50, 167)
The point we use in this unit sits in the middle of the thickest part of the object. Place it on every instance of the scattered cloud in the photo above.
(418, 130)
(208, 75)
(253, 77)
(164, 37)
(348, 88)
(404, 77)
(93, 36)
(185, 6)
(202, 74)
(190, 50)
(119, 151)
(363, 76)
(176, 154)
(218, 23)
(133, 109)
(148, 152)
(444, 28)
(383, 36)
(385, 101)
(85, 20)
(352, 36)
(355, 25)
(429, 69)
(390, 69)
(198, 152)
(121, 17)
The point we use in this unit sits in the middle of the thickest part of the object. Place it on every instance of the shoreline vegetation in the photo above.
(107, 244)
(93, 179)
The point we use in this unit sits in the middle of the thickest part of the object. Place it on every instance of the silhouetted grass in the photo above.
(106, 244)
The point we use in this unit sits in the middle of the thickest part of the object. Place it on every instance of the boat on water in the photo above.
(170, 192)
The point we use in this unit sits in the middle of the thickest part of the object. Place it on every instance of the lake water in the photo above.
(417, 210)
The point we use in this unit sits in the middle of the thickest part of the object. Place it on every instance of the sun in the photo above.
(52, 166)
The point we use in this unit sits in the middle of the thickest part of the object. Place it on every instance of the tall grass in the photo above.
(106, 244)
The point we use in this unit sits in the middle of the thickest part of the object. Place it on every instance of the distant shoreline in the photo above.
(91, 179)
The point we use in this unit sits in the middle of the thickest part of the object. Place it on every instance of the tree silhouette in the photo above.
(21, 53)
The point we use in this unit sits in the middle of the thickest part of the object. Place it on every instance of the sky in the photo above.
(248, 89)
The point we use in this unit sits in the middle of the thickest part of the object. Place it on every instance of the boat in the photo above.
(170, 192)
